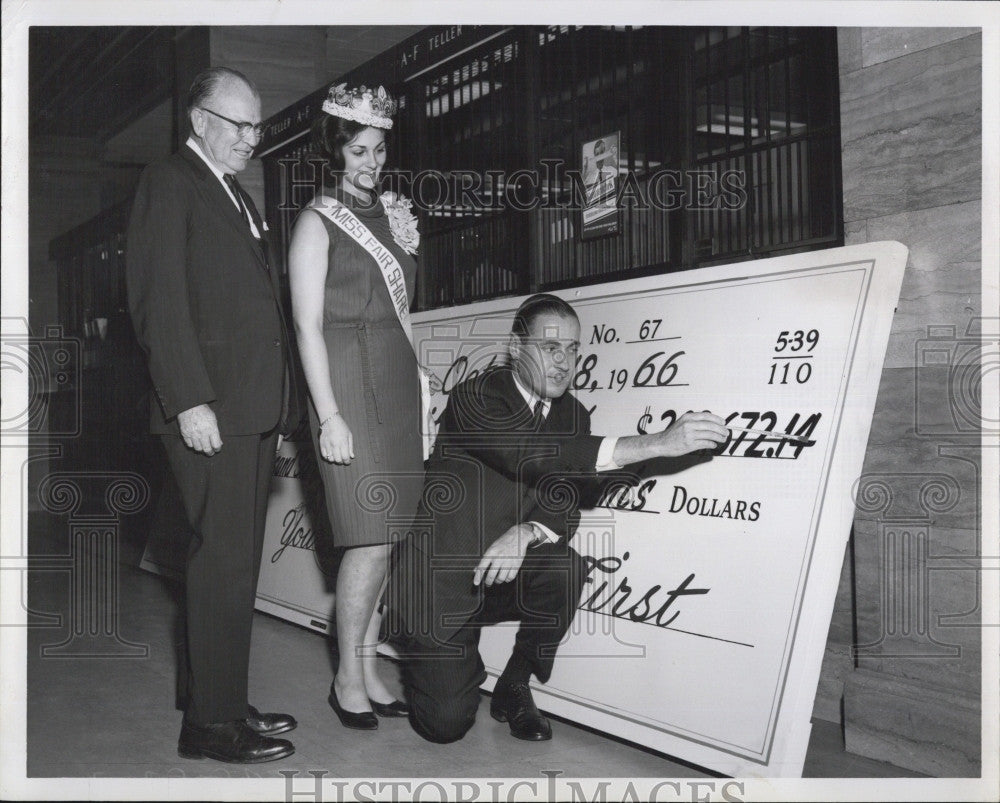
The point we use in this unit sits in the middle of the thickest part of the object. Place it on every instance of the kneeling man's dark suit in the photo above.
(495, 464)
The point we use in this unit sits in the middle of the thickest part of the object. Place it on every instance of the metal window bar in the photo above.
(470, 253)
(777, 152)
(589, 82)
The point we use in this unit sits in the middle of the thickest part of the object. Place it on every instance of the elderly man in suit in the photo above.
(206, 310)
(513, 462)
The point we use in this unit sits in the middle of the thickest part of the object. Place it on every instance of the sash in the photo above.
(395, 283)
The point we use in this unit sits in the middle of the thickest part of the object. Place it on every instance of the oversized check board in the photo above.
(702, 629)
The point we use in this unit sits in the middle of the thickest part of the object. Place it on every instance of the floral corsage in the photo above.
(402, 222)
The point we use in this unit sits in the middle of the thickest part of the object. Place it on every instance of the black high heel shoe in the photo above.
(359, 720)
(397, 708)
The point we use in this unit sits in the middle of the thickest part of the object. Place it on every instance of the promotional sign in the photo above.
(298, 568)
(599, 215)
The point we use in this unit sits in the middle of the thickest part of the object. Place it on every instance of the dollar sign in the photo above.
(644, 421)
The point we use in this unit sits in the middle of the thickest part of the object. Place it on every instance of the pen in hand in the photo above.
(777, 436)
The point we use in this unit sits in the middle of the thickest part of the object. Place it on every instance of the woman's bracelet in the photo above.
(326, 420)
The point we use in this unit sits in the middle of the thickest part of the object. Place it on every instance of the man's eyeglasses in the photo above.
(243, 129)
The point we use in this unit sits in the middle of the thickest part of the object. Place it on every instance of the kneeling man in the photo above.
(513, 462)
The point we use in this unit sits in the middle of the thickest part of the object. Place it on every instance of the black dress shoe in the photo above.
(397, 708)
(359, 720)
(270, 724)
(513, 704)
(234, 742)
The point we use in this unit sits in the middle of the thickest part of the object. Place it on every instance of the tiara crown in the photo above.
(374, 107)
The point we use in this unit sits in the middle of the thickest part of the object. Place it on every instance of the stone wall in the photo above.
(904, 647)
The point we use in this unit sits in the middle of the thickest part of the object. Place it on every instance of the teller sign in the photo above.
(702, 627)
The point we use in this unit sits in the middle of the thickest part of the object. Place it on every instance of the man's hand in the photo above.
(200, 430)
(689, 433)
(502, 561)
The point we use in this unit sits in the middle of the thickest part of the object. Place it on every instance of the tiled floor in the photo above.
(114, 716)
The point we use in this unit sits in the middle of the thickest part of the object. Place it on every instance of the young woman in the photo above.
(362, 376)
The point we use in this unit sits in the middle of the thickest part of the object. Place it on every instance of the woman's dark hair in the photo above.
(329, 136)
(539, 304)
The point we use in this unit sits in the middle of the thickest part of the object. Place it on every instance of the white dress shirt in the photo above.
(194, 145)
(605, 454)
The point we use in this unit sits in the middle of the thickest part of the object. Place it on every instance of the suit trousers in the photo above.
(225, 498)
(442, 678)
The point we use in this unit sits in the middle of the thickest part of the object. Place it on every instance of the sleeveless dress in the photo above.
(374, 375)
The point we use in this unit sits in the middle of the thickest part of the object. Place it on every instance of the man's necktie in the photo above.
(538, 415)
(247, 209)
(234, 188)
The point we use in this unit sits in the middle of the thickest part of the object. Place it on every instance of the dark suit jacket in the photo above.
(204, 305)
(489, 471)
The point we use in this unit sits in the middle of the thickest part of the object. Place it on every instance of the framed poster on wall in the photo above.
(599, 213)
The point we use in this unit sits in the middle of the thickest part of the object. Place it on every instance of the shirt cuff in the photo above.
(606, 455)
(550, 536)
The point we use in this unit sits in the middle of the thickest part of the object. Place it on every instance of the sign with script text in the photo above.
(299, 565)
(702, 627)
